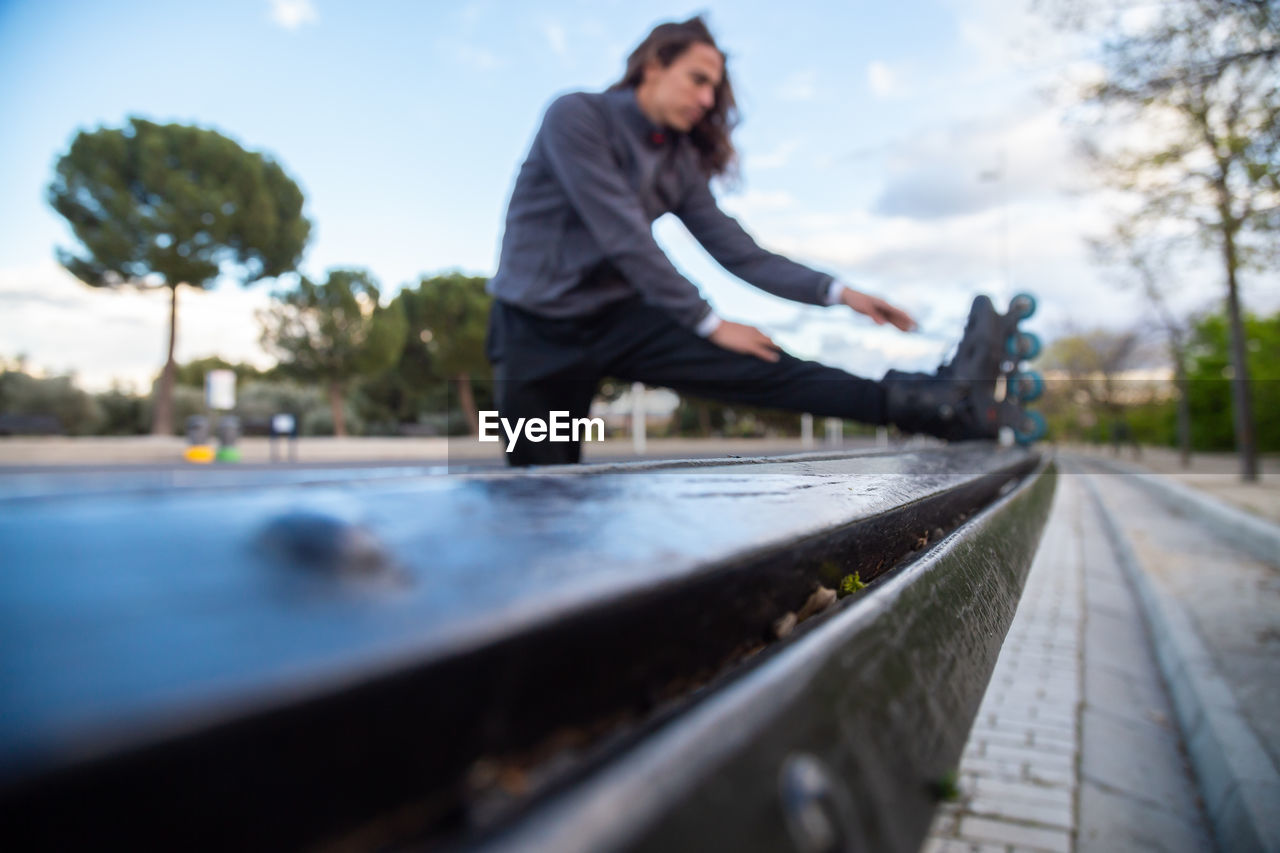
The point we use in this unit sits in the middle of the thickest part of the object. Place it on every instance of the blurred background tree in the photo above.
(411, 396)
(163, 205)
(45, 404)
(448, 320)
(1145, 260)
(1091, 390)
(333, 332)
(1210, 371)
(1104, 385)
(703, 418)
(1204, 77)
(193, 372)
(1087, 398)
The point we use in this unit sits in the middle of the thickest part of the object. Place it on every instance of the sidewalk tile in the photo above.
(1109, 823)
(1022, 792)
(1057, 816)
(1142, 763)
(1003, 832)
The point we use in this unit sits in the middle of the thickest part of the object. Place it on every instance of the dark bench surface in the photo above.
(142, 605)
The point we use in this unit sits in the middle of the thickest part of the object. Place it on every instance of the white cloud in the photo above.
(1081, 76)
(758, 201)
(978, 164)
(883, 81)
(933, 268)
(1139, 19)
(477, 57)
(108, 336)
(959, 235)
(840, 338)
(556, 39)
(473, 13)
(1004, 36)
(292, 14)
(1001, 43)
(799, 86)
(775, 159)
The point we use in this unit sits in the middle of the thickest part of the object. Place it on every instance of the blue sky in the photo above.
(908, 147)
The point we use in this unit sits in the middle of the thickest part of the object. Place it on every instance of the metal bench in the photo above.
(646, 656)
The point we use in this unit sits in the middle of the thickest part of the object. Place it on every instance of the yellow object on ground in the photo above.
(201, 454)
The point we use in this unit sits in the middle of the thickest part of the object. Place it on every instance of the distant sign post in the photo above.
(220, 390)
(220, 396)
(284, 426)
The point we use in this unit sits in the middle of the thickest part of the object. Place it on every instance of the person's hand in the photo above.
(738, 337)
(877, 309)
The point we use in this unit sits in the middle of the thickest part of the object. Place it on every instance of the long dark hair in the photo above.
(711, 135)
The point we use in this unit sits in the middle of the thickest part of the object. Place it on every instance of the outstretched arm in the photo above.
(734, 249)
(877, 309)
(739, 337)
(726, 240)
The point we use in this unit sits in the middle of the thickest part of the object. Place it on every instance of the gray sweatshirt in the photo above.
(579, 229)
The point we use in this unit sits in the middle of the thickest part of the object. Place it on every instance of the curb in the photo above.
(1238, 783)
(1259, 537)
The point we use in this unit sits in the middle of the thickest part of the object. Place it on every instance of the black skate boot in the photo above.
(934, 405)
(958, 402)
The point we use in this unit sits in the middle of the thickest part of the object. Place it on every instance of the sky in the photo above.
(923, 150)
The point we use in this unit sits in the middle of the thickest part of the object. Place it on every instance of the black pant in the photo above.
(544, 364)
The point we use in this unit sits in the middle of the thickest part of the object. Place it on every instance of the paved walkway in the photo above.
(1232, 598)
(1216, 474)
(1075, 746)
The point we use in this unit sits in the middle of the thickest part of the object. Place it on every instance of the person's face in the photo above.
(680, 94)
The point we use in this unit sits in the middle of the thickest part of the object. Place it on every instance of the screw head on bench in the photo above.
(810, 801)
(326, 544)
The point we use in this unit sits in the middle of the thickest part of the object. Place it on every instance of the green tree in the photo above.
(193, 372)
(123, 413)
(257, 401)
(700, 417)
(413, 387)
(451, 314)
(76, 412)
(1205, 74)
(1147, 261)
(1210, 369)
(1090, 399)
(333, 332)
(163, 205)
(697, 416)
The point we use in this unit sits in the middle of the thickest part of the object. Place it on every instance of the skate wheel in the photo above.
(1027, 385)
(1023, 345)
(1022, 305)
(1031, 428)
